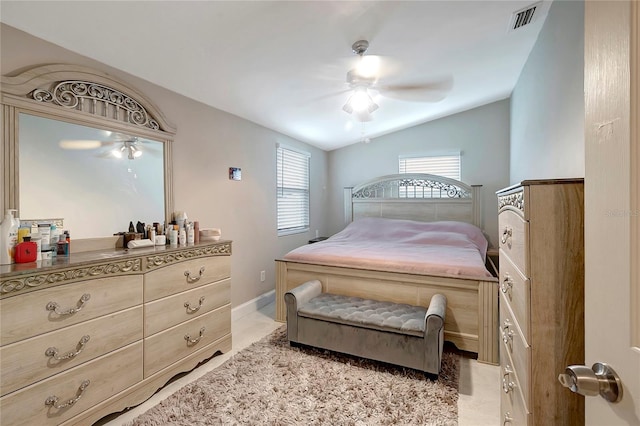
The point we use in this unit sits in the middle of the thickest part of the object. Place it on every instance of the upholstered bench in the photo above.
(406, 335)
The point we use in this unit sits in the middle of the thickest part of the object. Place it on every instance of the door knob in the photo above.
(600, 379)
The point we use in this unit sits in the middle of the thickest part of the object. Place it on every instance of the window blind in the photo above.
(442, 165)
(292, 190)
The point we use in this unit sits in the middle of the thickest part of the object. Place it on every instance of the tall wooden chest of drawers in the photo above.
(541, 300)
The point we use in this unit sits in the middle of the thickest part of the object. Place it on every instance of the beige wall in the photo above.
(208, 141)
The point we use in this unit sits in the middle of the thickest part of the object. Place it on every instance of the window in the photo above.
(292, 190)
(442, 165)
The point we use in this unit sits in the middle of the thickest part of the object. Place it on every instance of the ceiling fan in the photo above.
(365, 78)
(123, 146)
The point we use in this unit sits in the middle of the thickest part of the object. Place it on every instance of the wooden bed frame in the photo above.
(472, 303)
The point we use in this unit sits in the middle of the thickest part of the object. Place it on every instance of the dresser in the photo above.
(97, 332)
(541, 300)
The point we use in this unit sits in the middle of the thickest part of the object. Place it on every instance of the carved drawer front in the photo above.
(30, 360)
(80, 388)
(517, 349)
(513, 235)
(163, 349)
(185, 275)
(53, 308)
(169, 311)
(512, 409)
(517, 292)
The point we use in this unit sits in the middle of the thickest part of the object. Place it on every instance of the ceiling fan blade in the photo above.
(104, 156)
(313, 99)
(78, 144)
(427, 92)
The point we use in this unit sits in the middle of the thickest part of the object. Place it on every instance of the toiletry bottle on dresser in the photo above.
(36, 238)
(44, 229)
(55, 236)
(174, 235)
(26, 251)
(190, 233)
(23, 231)
(67, 235)
(62, 245)
(8, 238)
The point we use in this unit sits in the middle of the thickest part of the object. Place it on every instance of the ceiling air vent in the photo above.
(523, 17)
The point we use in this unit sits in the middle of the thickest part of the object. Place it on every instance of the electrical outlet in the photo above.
(263, 276)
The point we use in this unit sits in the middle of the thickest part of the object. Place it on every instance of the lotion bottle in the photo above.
(190, 234)
(8, 238)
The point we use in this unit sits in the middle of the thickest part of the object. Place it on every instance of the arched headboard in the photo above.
(414, 196)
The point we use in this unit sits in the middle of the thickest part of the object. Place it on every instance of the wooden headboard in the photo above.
(414, 196)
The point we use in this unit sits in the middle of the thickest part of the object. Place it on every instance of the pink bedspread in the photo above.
(425, 248)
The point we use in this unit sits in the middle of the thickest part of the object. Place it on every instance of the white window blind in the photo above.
(292, 190)
(442, 165)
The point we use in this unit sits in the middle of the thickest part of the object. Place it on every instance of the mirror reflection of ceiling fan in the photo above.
(122, 145)
(366, 78)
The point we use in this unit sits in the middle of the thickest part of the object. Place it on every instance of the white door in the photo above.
(612, 209)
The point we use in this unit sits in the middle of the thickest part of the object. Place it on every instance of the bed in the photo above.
(408, 237)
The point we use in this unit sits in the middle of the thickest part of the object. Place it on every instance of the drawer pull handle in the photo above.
(191, 310)
(507, 418)
(507, 333)
(53, 400)
(53, 306)
(53, 351)
(191, 280)
(507, 386)
(506, 234)
(191, 341)
(507, 284)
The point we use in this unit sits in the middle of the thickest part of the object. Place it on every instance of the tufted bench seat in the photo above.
(406, 335)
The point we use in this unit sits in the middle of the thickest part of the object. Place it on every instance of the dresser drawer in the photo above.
(517, 349)
(28, 361)
(106, 376)
(517, 292)
(169, 346)
(169, 311)
(181, 276)
(32, 314)
(512, 409)
(513, 238)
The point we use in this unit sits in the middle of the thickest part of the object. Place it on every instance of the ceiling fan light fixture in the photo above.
(133, 151)
(117, 152)
(368, 67)
(360, 102)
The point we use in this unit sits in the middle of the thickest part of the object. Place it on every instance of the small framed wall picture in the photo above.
(235, 173)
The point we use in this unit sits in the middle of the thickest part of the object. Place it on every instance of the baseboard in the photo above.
(253, 305)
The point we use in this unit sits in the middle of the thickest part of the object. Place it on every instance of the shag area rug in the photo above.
(273, 383)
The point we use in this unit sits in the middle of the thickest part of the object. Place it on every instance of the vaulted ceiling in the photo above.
(284, 65)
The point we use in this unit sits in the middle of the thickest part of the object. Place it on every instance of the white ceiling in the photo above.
(283, 64)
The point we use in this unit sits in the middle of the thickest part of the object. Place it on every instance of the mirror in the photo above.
(61, 123)
(96, 180)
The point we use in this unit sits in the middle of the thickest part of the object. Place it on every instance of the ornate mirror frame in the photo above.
(84, 96)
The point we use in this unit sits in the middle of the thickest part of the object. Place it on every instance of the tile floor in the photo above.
(478, 403)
